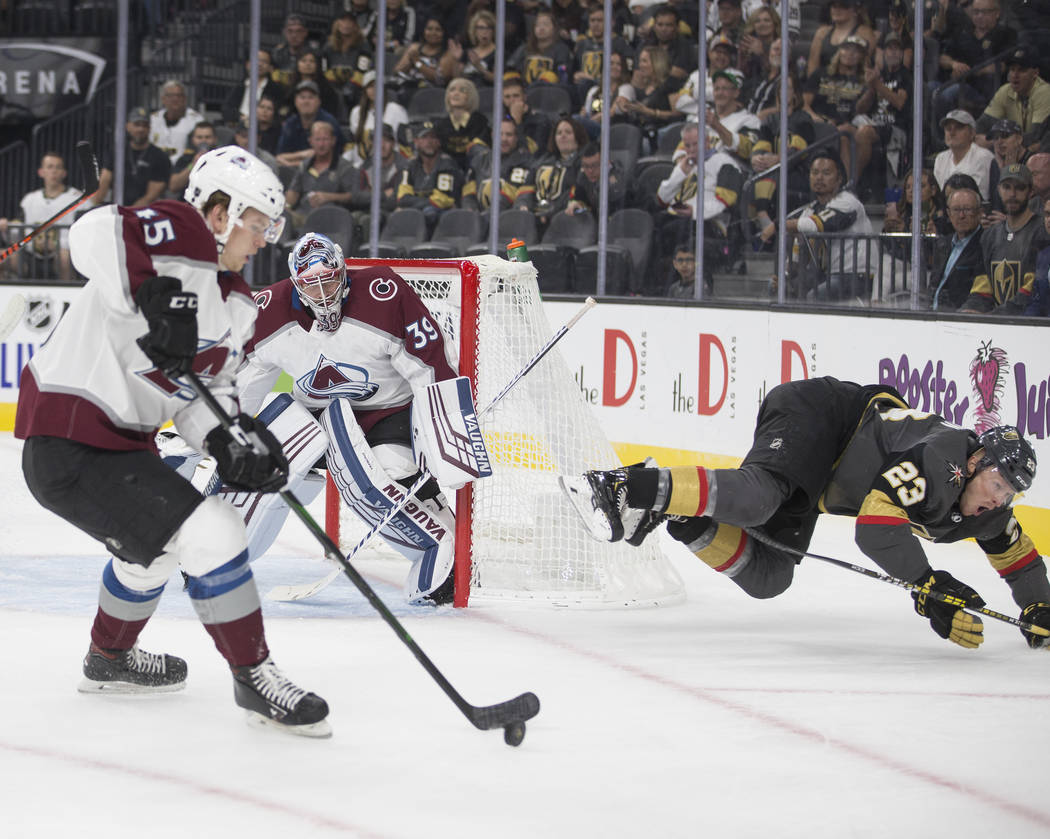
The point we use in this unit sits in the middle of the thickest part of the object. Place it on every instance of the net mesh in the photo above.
(526, 542)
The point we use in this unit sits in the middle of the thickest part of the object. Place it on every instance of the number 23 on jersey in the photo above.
(905, 478)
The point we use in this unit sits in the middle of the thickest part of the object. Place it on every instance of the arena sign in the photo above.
(39, 80)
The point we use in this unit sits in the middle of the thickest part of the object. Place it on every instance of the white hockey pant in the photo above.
(367, 480)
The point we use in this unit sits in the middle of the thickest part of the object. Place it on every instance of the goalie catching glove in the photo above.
(1038, 614)
(171, 314)
(259, 466)
(948, 619)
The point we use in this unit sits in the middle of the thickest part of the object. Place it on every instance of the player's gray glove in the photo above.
(948, 619)
(1038, 614)
(171, 313)
(259, 468)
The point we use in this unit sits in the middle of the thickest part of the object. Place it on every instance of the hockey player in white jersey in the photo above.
(164, 296)
(361, 350)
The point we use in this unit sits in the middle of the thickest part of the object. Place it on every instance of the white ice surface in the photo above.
(831, 711)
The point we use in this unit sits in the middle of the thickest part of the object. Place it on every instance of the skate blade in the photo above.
(578, 491)
(320, 729)
(126, 688)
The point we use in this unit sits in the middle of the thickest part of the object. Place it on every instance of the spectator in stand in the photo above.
(587, 65)
(734, 128)
(392, 165)
(465, 130)
(834, 95)
(570, 18)
(431, 181)
(37, 207)
(347, 56)
(296, 41)
(267, 124)
(428, 62)
(677, 196)
(240, 138)
(535, 127)
(841, 274)
(886, 101)
(848, 20)
(478, 61)
(544, 58)
(294, 146)
(322, 178)
(762, 29)
(1007, 147)
(963, 154)
(766, 153)
(1024, 99)
(584, 197)
(201, 140)
(170, 127)
(1040, 303)
(556, 172)
(1009, 248)
(683, 281)
(681, 51)
(516, 170)
(237, 104)
(933, 219)
(619, 81)
(308, 68)
(401, 26)
(146, 167)
(721, 55)
(964, 45)
(766, 90)
(362, 121)
(730, 21)
(651, 109)
(361, 10)
(957, 259)
(1039, 166)
(900, 18)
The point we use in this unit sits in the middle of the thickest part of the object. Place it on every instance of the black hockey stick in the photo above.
(510, 715)
(895, 581)
(89, 165)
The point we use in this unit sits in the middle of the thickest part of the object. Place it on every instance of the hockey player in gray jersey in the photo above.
(164, 296)
(826, 446)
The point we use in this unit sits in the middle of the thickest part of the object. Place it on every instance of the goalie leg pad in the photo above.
(304, 443)
(422, 532)
(446, 435)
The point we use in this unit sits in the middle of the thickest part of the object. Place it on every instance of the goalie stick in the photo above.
(12, 314)
(89, 164)
(510, 715)
(896, 581)
(305, 590)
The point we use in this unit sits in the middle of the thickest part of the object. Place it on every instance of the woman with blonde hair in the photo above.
(651, 108)
(478, 62)
(464, 129)
(761, 29)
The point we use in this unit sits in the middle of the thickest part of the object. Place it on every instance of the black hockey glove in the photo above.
(1038, 614)
(171, 313)
(949, 620)
(259, 468)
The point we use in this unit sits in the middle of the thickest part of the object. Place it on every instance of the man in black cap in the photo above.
(146, 167)
(1009, 250)
(1024, 99)
(432, 182)
(1008, 147)
(296, 41)
(294, 146)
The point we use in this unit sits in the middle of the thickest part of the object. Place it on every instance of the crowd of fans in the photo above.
(985, 182)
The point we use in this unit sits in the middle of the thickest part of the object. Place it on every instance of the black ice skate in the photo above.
(131, 671)
(272, 700)
(600, 499)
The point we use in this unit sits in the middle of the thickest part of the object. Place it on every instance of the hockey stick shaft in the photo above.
(302, 592)
(896, 581)
(519, 709)
(90, 166)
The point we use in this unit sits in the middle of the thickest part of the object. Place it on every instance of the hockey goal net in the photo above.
(516, 536)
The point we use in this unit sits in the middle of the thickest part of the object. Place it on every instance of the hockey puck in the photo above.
(514, 733)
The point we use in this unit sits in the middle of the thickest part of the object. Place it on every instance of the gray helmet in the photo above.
(1006, 449)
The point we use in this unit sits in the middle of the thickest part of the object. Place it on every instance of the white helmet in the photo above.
(247, 180)
(319, 276)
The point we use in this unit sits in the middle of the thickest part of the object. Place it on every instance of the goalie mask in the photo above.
(246, 180)
(319, 276)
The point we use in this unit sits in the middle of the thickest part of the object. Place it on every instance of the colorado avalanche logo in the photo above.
(382, 289)
(987, 374)
(334, 379)
(263, 298)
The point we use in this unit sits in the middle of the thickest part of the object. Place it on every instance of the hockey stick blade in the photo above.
(301, 592)
(89, 166)
(518, 709)
(12, 314)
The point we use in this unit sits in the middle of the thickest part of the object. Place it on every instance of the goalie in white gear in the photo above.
(164, 296)
(360, 348)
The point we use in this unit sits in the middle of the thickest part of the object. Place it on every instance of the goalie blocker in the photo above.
(446, 435)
